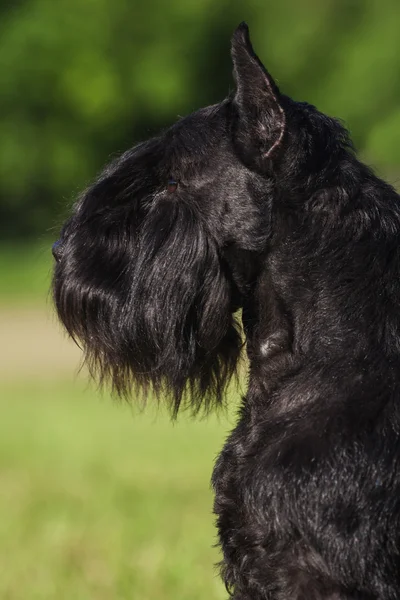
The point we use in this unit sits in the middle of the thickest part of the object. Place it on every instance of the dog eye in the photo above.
(172, 185)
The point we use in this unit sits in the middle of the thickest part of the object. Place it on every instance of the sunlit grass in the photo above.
(101, 502)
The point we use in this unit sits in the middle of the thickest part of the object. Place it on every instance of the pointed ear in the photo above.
(261, 123)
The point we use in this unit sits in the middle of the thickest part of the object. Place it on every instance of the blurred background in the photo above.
(97, 501)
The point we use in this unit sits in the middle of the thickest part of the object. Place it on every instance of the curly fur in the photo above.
(273, 214)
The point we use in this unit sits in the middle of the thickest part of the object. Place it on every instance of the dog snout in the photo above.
(57, 250)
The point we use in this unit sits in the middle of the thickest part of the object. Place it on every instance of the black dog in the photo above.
(259, 202)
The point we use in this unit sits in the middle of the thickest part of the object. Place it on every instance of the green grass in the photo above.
(98, 502)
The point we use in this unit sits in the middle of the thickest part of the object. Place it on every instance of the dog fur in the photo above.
(258, 203)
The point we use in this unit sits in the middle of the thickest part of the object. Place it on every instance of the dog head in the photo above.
(166, 245)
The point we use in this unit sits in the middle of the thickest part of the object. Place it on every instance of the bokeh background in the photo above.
(96, 500)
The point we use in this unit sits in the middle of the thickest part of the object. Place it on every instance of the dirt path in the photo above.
(33, 345)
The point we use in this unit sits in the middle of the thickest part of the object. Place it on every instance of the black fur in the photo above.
(273, 213)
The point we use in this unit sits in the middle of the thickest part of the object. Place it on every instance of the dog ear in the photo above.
(261, 118)
(174, 334)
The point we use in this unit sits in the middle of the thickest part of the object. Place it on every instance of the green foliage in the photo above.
(25, 274)
(84, 80)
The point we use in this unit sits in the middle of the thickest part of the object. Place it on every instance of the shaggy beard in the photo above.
(152, 309)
